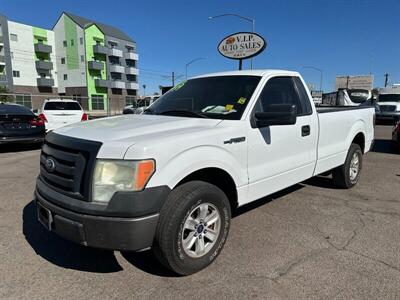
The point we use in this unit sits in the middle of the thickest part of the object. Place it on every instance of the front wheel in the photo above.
(193, 227)
(346, 176)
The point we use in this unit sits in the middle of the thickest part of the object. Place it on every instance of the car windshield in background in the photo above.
(14, 109)
(358, 96)
(62, 106)
(389, 98)
(219, 97)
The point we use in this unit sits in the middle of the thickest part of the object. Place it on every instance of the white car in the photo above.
(169, 178)
(57, 113)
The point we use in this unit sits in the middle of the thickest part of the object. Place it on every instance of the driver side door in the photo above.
(280, 155)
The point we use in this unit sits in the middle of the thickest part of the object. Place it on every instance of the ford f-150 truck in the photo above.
(169, 178)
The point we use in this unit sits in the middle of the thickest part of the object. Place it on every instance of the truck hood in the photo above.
(119, 133)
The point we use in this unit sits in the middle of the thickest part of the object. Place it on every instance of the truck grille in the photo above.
(388, 108)
(66, 165)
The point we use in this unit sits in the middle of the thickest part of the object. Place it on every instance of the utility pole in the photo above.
(386, 79)
(173, 78)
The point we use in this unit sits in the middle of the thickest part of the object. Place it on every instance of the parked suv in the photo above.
(61, 112)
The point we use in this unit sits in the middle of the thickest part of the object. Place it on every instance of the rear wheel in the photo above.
(193, 227)
(346, 176)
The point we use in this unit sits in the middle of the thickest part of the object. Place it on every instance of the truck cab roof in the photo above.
(261, 72)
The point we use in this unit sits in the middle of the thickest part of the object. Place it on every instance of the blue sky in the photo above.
(342, 37)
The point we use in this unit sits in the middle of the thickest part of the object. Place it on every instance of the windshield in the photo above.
(389, 98)
(62, 106)
(358, 96)
(219, 97)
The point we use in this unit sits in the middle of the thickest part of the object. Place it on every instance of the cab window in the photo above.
(279, 90)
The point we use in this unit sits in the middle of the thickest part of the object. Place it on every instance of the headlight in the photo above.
(111, 176)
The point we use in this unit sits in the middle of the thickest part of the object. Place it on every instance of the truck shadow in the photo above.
(64, 253)
(383, 146)
(69, 255)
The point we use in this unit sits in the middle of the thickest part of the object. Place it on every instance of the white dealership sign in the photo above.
(242, 45)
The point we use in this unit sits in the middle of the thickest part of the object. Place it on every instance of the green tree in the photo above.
(3, 97)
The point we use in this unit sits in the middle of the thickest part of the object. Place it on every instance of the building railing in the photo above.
(95, 65)
(40, 47)
(100, 49)
(48, 82)
(44, 65)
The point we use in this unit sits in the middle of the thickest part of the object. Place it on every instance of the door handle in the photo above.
(305, 130)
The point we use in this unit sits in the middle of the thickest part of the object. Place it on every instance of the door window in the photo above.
(279, 90)
(304, 99)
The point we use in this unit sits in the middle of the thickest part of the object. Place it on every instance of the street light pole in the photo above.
(190, 62)
(320, 71)
(253, 25)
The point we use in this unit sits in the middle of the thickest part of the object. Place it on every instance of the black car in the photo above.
(19, 124)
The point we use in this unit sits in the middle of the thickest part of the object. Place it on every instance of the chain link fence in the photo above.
(94, 106)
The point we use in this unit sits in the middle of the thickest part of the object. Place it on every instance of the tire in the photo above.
(186, 202)
(341, 175)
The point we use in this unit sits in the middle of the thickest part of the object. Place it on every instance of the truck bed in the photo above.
(327, 109)
(338, 125)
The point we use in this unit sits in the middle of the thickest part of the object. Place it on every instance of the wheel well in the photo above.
(359, 140)
(219, 178)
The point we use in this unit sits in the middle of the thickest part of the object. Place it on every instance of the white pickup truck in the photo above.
(169, 178)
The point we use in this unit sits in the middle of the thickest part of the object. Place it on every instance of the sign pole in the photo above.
(240, 64)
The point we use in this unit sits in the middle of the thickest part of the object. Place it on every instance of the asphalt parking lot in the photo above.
(311, 241)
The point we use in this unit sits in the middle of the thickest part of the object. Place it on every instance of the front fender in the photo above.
(172, 171)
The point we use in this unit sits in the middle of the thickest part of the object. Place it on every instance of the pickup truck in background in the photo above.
(347, 97)
(389, 104)
(169, 178)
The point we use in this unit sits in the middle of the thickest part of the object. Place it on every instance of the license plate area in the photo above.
(44, 216)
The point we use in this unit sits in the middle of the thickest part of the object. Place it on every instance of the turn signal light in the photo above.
(145, 169)
(85, 117)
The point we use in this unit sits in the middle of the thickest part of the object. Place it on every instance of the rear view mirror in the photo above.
(277, 114)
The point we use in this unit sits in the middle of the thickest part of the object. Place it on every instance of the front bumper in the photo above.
(128, 228)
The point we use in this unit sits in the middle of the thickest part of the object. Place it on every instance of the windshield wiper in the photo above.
(184, 113)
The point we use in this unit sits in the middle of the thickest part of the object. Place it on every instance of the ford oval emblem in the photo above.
(50, 164)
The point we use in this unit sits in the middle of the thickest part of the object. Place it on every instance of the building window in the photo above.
(65, 76)
(82, 58)
(72, 42)
(63, 60)
(97, 102)
(16, 74)
(13, 37)
(65, 43)
(24, 100)
(130, 77)
(131, 100)
(81, 40)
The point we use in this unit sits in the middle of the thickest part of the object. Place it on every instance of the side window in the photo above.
(305, 101)
(279, 90)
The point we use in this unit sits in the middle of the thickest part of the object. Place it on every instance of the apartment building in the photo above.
(79, 58)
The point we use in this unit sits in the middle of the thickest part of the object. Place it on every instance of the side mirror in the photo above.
(278, 114)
